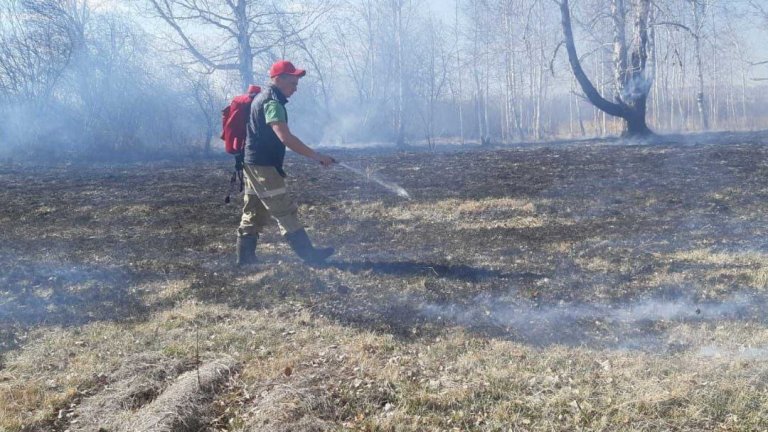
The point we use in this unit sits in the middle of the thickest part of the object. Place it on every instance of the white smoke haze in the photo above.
(341, 129)
(109, 76)
(639, 324)
(740, 353)
(54, 292)
(98, 92)
(636, 88)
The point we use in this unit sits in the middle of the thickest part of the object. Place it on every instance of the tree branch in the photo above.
(167, 16)
(673, 24)
(586, 85)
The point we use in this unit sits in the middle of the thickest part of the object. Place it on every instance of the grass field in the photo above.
(577, 286)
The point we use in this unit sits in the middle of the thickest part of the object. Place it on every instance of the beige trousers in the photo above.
(266, 196)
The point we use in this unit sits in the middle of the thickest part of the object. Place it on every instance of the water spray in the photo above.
(370, 176)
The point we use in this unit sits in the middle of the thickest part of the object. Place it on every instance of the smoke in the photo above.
(636, 88)
(353, 125)
(740, 353)
(52, 292)
(636, 325)
(106, 98)
(339, 131)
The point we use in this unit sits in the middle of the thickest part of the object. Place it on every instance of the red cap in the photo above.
(285, 67)
(253, 89)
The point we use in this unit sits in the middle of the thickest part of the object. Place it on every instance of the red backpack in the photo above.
(234, 121)
(234, 130)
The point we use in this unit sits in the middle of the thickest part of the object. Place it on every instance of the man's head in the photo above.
(285, 76)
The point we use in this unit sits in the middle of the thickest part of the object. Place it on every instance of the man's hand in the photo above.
(324, 160)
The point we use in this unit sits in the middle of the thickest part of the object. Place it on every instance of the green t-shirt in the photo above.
(274, 112)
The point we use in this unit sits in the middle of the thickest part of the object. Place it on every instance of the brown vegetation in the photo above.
(592, 286)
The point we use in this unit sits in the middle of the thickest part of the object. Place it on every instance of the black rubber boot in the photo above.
(302, 245)
(246, 249)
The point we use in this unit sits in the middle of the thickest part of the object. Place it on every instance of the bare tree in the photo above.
(34, 56)
(699, 10)
(228, 35)
(760, 7)
(456, 77)
(479, 16)
(208, 104)
(430, 84)
(33, 53)
(631, 75)
(509, 10)
(356, 39)
(397, 26)
(762, 10)
(67, 17)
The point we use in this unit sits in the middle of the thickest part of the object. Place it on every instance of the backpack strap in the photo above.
(237, 174)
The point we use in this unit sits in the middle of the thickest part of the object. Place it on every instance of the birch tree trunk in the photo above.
(244, 51)
(698, 12)
(634, 85)
(398, 26)
(486, 95)
(459, 78)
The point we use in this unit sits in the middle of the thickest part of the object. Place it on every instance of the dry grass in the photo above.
(362, 380)
(567, 289)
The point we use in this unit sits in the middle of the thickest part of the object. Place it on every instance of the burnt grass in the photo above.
(82, 243)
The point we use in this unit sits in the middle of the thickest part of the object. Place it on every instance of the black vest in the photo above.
(263, 147)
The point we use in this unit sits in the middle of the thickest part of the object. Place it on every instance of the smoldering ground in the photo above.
(624, 224)
(646, 325)
(603, 246)
(578, 245)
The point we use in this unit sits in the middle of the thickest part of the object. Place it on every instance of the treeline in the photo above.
(78, 81)
(138, 76)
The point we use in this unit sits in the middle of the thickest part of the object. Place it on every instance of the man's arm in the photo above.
(294, 143)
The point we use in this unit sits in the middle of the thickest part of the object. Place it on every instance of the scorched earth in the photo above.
(594, 285)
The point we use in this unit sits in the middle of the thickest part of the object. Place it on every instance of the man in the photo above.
(266, 194)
